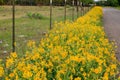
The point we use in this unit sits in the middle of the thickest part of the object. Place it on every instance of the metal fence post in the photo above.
(73, 10)
(65, 11)
(50, 14)
(81, 8)
(13, 26)
(77, 8)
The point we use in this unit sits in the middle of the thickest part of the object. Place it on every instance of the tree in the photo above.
(87, 1)
(112, 2)
(44, 2)
(1, 2)
(119, 2)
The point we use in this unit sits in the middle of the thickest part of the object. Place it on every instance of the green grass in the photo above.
(27, 28)
(118, 7)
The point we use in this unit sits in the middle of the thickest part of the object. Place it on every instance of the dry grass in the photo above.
(26, 28)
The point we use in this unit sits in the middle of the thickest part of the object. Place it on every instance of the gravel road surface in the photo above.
(111, 21)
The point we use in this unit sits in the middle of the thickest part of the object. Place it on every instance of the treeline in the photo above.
(42, 2)
(109, 3)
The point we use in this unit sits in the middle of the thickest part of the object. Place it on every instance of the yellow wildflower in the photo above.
(1, 71)
(31, 43)
(81, 69)
(9, 62)
(98, 70)
(113, 66)
(6, 78)
(105, 77)
(84, 74)
(27, 74)
(11, 75)
(14, 55)
(78, 78)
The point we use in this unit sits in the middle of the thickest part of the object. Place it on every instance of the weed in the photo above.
(35, 15)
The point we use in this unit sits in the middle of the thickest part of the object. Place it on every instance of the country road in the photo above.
(111, 23)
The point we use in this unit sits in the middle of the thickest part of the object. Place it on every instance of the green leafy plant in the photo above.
(35, 15)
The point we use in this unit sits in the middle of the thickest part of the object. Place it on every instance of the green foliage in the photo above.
(119, 2)
(109, 3)
(25, 2)
(1, 2)
(112, 2)
(35, 15)
(87, 1)
(43, 2)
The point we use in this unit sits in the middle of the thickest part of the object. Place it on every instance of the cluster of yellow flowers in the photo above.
(71, 51)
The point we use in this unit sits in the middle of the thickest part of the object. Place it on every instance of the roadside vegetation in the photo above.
(70, 51)
(118, 7)
(31, 23)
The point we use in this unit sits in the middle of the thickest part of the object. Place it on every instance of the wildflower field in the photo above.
(71, 51)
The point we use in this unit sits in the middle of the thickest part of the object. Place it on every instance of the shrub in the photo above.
(35, 15)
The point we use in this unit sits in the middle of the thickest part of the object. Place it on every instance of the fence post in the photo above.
(65, 11)
(50, 14)
(77, 9)
(13, 26)
(88, 8)
(81, 9)
(73, 10)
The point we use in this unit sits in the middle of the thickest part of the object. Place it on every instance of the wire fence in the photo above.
(32, 22)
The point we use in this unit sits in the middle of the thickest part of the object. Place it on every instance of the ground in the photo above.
(111, 21)
(25, 27)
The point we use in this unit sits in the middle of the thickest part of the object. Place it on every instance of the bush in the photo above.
(35, 15)
(112, 2)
